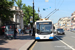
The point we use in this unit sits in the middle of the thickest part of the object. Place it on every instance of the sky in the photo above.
(66, 8)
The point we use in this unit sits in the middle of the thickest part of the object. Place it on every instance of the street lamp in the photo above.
(38, 11)
(31, 19)
(29, 24)
(46, 0)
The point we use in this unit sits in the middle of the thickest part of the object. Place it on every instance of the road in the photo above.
(60, 42)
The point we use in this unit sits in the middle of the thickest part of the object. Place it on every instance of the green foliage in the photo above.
(19, 3)
(28, 11)
(5, 11)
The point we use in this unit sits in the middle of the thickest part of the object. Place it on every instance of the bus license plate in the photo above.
(44, 36)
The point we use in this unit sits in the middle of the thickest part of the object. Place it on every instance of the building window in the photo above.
(73, 19)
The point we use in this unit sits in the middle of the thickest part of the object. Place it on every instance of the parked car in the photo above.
(73, 30)
(70, 29)
(60, 31)
(27, 31)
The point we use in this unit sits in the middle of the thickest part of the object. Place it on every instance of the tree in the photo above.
(5, 11)
(19, 3)
(24, 11)
(28, 11)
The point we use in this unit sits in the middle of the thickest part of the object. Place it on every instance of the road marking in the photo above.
(33, 46)
(65, 43)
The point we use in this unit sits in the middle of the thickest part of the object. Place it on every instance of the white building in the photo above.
(18, 17)
(73, 20)
(64, 22)
(56, 25)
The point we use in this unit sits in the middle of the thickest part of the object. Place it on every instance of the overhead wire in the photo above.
(55, 9)
(52, 11)
(58, 3)
(61, 3)
(55, 4)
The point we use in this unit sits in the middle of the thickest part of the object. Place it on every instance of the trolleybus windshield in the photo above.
(44, 27)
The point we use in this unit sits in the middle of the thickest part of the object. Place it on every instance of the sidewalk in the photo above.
(22, 43)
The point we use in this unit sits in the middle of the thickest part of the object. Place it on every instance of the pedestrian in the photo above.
(15, 33)
(22, 31)
(30, 32)
(19, 31)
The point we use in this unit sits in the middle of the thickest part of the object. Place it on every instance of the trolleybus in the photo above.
(44, 29)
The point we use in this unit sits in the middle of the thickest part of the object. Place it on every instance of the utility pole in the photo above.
(38, 13)
(33, 20)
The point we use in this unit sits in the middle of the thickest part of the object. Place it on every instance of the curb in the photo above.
(26, 46)
(31, 45)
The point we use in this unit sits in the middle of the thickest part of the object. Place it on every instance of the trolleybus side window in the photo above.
(38, 30)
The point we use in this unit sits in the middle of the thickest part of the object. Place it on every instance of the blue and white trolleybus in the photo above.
(44, 29)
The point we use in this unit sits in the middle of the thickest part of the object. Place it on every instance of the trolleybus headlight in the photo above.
(52, 35)
(36, 36)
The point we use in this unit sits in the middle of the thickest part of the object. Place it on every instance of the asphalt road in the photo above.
(60, 42)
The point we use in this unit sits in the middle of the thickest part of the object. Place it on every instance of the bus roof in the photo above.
(43, 20)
